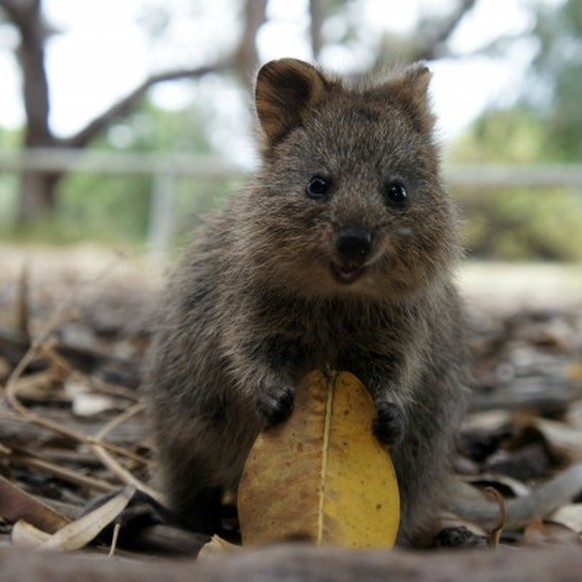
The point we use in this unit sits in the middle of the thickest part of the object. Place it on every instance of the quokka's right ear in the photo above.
(286, 91)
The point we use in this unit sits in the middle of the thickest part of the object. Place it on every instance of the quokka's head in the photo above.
(349, 199)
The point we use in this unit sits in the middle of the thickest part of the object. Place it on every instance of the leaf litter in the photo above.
(73, 437)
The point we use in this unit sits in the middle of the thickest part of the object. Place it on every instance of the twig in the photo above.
(112, 464)
(43, 342)
(22, 307)
(49, 352)
(114, 538)
(79, 437)
(495, 534)
(98, 385)
(62, 473)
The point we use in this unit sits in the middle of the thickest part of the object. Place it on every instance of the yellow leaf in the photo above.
(322, 475)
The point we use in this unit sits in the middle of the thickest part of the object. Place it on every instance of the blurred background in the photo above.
(123, 123)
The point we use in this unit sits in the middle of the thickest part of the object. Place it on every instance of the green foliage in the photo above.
(9, 142)
(517, 223)
(515, 135)
(106, 207)
(10, 139)
(558, 65)
(520, 224)
(544, 126)
(117, 207)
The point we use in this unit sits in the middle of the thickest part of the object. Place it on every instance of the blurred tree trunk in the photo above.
(316, 18)
(247, 57)
(37, 191)
(436, 34)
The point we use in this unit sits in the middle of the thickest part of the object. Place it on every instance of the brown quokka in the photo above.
(337, 256)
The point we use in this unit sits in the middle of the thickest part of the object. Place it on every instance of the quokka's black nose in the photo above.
(353, 243)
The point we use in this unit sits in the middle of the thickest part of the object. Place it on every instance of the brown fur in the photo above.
(257, 302)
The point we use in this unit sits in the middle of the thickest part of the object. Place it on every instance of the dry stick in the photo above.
(97, 385)
(11, 385)
(103, 387)
(22, 311)
(98, 439)
(63, 474)
(112, 464)
(72, 434)
(12, 388)
(82, 438)
(33, 418)
(114, 538)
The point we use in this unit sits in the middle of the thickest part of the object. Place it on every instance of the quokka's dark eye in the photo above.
(396, 194)
(318, 188)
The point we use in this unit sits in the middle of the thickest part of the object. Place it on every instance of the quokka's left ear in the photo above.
(285, 92)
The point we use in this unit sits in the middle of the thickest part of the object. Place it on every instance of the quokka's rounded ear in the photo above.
(286, 89)
(409, 88)
(413, 86)
(417, 78)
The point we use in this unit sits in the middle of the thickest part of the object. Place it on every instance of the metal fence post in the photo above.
(162, 216)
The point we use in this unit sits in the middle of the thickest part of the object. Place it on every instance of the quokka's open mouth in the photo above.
(347, 274)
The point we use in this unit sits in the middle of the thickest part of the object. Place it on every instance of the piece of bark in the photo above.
(16, 504)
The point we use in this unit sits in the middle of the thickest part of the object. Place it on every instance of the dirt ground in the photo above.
(506, 285)
(525, 423)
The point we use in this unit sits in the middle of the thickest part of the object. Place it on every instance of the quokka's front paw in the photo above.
(275, 403)
(391, 423)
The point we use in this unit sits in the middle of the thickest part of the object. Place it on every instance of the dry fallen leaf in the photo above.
(16, 504)
(80, 532)
(541, 533)
(322, 475)
(569, 516)
(575, 371)
(216, 548)
(563, 440)
(26, 535)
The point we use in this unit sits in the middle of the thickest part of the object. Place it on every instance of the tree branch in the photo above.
(27, 17)
(433, 47)
(127, 103)
(315, 26)
(14, 10)
(244, 60)
(246, 56)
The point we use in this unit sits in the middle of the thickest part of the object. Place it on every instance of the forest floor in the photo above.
(72, 432)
